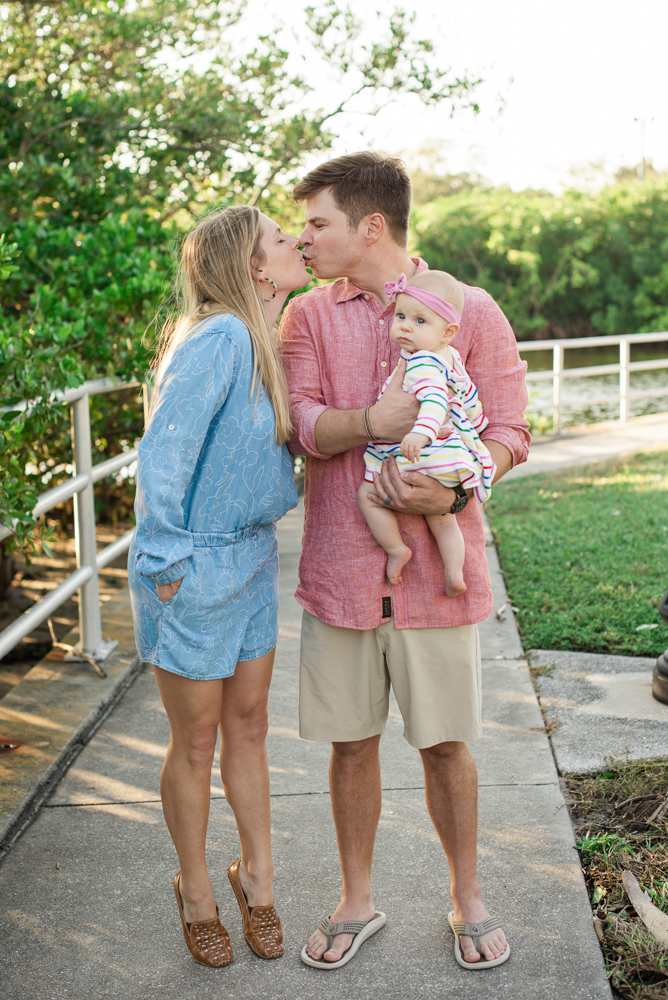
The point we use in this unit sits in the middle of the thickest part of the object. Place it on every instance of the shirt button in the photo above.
(382, 322)
(383, 364)
(366, 297)
(171, 427)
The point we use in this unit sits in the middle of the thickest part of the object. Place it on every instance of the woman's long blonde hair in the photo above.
(214, 276)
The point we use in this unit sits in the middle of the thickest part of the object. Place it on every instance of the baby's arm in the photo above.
(426, 379)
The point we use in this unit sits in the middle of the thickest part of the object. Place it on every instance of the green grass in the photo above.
(585, 555)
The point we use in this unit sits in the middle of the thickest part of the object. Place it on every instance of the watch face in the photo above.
(459, 504)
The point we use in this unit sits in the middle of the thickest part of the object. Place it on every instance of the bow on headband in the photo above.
(428, 299)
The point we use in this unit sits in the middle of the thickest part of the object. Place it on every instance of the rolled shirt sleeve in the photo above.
(303, 367)
(494, 365)
(192, 391)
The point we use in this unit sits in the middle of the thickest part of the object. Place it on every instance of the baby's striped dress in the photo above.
(459, 456)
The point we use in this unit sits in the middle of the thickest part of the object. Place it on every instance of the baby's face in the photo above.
(417, 328)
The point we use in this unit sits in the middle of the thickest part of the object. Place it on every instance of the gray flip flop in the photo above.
(475, 932)
(360, 928)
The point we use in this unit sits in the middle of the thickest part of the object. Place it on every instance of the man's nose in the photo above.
(305, 239)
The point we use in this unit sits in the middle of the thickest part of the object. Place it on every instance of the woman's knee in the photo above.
(198, 746)
(248, 726)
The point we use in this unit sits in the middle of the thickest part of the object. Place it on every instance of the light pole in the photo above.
(641, 168)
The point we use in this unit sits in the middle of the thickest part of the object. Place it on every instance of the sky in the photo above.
(573, 76)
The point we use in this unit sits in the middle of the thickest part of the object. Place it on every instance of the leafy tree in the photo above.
(574, 265)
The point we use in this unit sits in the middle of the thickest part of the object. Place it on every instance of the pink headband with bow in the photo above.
(428, 299)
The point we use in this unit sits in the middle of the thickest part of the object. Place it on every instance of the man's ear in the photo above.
(373, 227)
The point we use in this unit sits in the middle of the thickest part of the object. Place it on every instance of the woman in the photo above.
(214, 476)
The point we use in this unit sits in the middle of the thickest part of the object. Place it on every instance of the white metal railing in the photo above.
(91, 647)
(624, 367)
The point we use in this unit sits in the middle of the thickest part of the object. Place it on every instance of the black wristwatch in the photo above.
(461, 500)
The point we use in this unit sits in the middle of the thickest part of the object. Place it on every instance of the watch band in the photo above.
(461, 499)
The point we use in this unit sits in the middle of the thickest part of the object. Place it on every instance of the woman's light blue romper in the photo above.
(211, 483)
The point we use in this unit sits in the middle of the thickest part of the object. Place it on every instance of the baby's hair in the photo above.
(442, 284)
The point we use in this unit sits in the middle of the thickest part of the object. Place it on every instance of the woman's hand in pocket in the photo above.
(167, 590)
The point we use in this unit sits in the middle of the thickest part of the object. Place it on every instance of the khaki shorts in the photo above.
(345, 677)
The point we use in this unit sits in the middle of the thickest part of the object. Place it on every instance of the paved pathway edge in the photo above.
(54, 712)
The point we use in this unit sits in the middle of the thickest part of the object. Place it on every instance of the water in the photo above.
(577, 392)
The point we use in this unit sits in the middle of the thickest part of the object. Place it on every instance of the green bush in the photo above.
(573, 265)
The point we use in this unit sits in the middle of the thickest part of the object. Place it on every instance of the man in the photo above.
(358, 634)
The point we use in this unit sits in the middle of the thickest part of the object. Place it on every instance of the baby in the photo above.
(444, 442)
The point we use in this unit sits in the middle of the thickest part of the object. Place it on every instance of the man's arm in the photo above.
(391, 417)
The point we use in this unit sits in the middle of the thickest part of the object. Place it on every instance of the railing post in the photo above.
(624, 380)
(90, 622)
(557, 385)
(148, 393)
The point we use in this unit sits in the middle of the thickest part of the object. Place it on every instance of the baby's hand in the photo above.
(412, 445)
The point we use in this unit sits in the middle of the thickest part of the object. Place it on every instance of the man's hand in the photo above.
(412, 445)
(167, 590)
(410, 493)
(395, 413)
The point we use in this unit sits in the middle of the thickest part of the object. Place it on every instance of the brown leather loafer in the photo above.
(262, 928)
(207, 940)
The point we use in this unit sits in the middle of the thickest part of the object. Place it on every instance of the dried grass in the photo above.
(616, 832)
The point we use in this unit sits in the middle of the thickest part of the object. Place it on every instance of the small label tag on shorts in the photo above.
(387, 607)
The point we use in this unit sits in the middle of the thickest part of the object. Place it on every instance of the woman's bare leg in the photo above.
(194, 711)
(245, 772)
(450, 543)
(384, 527)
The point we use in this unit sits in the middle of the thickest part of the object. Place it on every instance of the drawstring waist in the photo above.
(205, 539)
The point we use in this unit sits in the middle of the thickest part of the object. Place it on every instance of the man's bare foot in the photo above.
(493, 943)
(317, 943)
(455, 587)
(396, 560)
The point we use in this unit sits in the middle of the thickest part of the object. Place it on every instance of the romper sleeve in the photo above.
(192, 391)
(426, 380)
(302, 367)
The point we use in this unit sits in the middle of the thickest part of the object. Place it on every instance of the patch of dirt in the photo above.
(32, 582)
(621, 824)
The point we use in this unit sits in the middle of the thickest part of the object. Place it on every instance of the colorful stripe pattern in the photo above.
(460, 456)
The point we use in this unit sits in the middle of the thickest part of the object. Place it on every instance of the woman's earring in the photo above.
(273, 285)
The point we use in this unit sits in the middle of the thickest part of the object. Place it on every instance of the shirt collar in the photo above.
(349, 291)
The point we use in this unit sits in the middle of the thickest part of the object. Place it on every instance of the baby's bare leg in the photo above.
(385, 529)
(450, 543)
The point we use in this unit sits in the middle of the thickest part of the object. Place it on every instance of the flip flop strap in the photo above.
(331, 930)
(475, 931)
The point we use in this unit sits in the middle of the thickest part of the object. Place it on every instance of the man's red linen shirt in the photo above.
(335, 342)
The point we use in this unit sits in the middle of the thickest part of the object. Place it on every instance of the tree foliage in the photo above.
(120, 122)
(572, 265)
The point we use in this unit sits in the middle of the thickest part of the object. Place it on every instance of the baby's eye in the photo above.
(420, 320)
(400, 316)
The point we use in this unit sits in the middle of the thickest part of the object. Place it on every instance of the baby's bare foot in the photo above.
(455, 586)
(396, 560)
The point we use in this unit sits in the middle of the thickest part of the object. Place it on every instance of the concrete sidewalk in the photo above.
(594, 443)
(86, 899)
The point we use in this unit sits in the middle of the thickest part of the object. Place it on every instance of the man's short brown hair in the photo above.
(361, 184)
